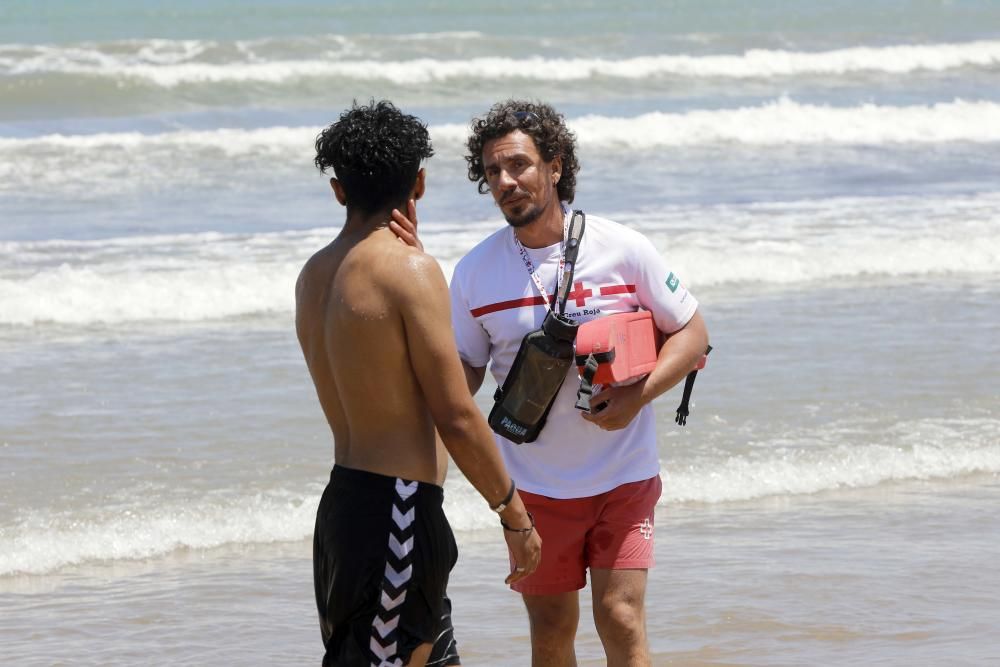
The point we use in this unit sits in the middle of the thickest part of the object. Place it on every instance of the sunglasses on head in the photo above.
(521, 116)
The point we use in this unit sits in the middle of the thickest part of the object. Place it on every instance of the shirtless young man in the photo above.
(372, 316)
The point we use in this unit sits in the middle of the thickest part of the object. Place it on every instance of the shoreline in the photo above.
(822, 579)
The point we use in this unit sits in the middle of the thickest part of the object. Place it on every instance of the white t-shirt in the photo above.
(495, 303)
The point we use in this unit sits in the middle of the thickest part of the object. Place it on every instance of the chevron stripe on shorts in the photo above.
(398, 572)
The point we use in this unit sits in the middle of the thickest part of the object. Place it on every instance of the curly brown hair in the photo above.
(539, 121)
(375, 151)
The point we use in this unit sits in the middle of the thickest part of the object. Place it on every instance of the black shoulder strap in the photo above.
(572, 248)
(683, 410)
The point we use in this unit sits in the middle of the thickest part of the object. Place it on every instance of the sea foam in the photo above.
(840, 458)
(166, 66)
(794, 464)
(42, 543)
(198, 277)
(781, 121)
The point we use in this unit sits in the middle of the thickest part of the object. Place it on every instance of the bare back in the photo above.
(350, 317)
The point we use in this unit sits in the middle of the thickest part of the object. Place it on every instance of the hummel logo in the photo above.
(401, 550)
(402, 520)
(397, 579)
(646, 528)
(405, 490)
(384, 653)
(384, 628)
(397, 575)
(390, 603)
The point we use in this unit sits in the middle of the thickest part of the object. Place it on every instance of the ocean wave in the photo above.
(785, 121)
(232, 141)
(803, 244)
(782, 121)
(836, 457)
(205, 277)
(841, 457)
(41, 543)
(181, 278)
(173, 64)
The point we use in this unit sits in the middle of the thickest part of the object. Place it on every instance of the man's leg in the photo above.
(553, 620)
(620, 615)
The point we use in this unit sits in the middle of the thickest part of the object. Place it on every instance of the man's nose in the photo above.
(505, 181)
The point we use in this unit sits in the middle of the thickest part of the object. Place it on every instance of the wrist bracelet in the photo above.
(520, 530)
(502, 505)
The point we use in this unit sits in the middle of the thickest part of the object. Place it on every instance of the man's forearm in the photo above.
(678, 357)
(470, 443)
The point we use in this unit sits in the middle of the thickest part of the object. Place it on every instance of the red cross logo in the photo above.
(580, 294)
(646, 528)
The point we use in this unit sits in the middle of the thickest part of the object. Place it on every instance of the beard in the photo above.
(531, 213)
(523, 219)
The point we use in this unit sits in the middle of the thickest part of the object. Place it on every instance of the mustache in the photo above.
(516, 194)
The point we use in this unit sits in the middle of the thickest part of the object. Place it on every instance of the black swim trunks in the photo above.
(382, 553)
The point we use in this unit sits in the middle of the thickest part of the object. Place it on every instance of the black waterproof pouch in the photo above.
(522, 404)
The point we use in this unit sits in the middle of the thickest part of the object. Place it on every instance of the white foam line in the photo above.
(205, 277)
(923, 450)
(231, 140)
(785, 121)
(837, 456)
(782, 121)
(42, 543)
(754, 63)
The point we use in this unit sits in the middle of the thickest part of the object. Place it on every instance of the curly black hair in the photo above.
(375, 152)
(539, 121)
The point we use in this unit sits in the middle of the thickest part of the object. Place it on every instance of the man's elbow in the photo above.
(700, 331)
(690, 342)
(458, 424)
(693, 332)
(473, 376)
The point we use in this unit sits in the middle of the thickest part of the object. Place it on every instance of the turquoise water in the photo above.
(823, 177)
(54, 21)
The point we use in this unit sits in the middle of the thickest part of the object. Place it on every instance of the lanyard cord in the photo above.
(568, 250)
(534, 276)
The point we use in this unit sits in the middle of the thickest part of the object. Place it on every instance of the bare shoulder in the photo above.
(306, 279)
(417, 273)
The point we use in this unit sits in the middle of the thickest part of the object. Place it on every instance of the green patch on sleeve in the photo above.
(672, 282)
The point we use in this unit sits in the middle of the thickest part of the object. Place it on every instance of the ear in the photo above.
(556, 168)
(419, 185)
(338, 191)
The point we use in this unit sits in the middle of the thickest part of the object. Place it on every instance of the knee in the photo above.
(553, 624)
(621, 620)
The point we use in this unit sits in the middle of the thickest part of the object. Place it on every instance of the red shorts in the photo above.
(613, 530)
